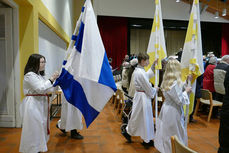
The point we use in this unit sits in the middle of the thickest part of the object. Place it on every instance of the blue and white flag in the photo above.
(86, 78)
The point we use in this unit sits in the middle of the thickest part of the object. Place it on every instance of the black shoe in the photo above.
(146, 145)
(192, 120)
(61, 129)
(76, 135)
(127, 136)
(151, 143)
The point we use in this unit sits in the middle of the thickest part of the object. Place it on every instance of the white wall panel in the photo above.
(52, 47)
(62, 10)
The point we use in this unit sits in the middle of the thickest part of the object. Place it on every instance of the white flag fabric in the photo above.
(86, 78)
(156, 47)
(192, 56)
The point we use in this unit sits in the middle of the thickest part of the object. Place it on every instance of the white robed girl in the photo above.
(34, 108)
(141, 120)
(171, 118)
(71, 119)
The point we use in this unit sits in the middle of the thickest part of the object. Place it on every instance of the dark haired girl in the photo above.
(35, 107)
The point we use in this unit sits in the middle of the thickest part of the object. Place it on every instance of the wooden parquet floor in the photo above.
(104, 136)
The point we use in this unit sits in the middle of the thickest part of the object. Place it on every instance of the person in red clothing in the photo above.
(208, 80)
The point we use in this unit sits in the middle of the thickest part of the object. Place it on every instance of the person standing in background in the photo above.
(219, 76)
(125, 70)
(224, 118)
(208, 78)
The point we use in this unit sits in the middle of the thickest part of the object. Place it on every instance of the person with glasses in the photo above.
(35, 107)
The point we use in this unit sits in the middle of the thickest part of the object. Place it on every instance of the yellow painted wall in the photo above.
(77, 7)
(30, 11)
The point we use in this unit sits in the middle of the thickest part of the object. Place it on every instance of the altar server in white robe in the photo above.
(141, 120)
(35, 108)
(71, 119)
(171, 117)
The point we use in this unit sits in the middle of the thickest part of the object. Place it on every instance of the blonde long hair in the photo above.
(172, 73)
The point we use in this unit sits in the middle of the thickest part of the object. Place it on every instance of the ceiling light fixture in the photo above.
(177, 1)
(204, 9)
(224, 12)
(216, 15)
(136, 25)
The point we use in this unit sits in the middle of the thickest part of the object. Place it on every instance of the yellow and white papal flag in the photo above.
(192, 56)
(156, 47)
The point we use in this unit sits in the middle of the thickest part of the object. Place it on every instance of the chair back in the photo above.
(120, 93)
(178, 147)
(206, 95)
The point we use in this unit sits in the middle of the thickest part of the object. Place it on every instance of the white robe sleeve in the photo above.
(150, 73)
(176, 94)
(36, 84)
(146, 86)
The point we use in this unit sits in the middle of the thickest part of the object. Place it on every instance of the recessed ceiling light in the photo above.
(136, 25)
(216, 14)
(224, 13)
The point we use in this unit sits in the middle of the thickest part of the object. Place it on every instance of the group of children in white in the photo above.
(34, 109)
(171, 118)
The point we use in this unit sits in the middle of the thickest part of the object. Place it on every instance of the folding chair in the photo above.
(206, 98)
(178, 147)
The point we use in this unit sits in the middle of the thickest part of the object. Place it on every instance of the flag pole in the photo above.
(156, 102)
(156, 57)
(156, 70)
(187, 109)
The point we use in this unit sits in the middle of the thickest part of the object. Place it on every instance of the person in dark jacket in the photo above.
(224, 119)
(219, 76)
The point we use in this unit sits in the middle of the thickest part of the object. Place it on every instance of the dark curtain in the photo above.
(225, 39)
(211, 37)
(113, 31)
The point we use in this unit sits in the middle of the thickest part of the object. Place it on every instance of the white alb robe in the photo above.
(131, 90)
(125, 77)
(171, 119)
(34, 113)
(71, 117)
(141, 120)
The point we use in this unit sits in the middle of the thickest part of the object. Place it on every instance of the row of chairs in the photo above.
(117, 100)
(206, 98)
(117, 77)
